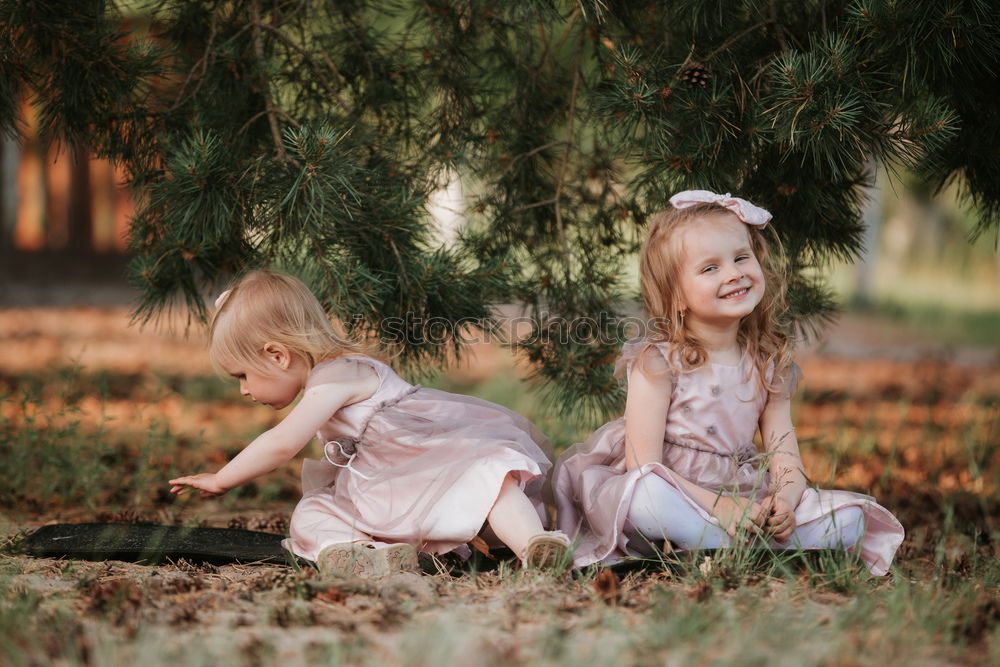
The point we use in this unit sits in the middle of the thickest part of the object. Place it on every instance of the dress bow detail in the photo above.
(348, 450)
(744, 210)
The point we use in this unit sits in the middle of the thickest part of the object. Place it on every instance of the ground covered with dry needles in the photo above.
(95, 416)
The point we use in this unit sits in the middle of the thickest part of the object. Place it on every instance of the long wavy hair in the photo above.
(266, 306)
(762, 334)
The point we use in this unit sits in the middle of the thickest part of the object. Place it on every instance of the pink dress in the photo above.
(709, 440)
(412, 465)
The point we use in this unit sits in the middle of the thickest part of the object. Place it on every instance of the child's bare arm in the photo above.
(282, 442)
(646, 407)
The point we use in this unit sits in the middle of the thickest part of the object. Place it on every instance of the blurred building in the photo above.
(63, 215)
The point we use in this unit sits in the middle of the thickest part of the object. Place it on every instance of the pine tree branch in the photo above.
(270, 110)
(288, 16)
(533, 151)
(779, 30)
(203, 63)
(857, 84)
(561, 180)
(544, 202)
(735, 38)
(258, 44)
(570, 24)
(554, 46)
(307, 58)
(302, 26)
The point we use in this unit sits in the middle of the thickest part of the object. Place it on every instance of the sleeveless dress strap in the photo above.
(323, 372)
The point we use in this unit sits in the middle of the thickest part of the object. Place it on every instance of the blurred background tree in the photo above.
(310, 135)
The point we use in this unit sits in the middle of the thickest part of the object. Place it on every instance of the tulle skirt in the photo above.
(593, 492)
(427, 472)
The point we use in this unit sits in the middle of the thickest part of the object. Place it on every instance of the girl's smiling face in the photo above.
(721, 281)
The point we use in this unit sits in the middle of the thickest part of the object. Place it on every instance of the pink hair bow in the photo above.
(222, 299)
(744, 210)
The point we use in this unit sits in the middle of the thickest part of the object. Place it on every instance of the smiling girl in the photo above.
(681, 466)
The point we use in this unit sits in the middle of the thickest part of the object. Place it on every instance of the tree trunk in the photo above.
(80, 221)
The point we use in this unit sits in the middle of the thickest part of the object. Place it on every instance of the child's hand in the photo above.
(781, 519)
(206, 482)
(734, 512)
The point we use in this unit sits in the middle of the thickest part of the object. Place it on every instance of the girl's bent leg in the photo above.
(513, 518)
(842, 529)
(314, 526)
(658, 511)
(338, 547)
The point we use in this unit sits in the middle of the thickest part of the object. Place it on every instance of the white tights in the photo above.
(658, 511)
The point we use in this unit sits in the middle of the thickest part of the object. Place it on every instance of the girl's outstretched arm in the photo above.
(278, 445)
(646, 408)
(788, 479)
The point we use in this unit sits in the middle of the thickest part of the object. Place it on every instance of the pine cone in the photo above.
(695, 74)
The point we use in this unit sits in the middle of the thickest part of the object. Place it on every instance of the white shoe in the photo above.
(548, 551)
(365, 561)
(394, 558)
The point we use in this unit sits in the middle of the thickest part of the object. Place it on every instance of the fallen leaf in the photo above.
(607, 586)
(479, 544)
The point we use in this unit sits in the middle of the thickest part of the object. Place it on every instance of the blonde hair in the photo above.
(269, 307)
(761, 334)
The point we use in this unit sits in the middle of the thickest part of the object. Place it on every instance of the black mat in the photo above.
(152, 544)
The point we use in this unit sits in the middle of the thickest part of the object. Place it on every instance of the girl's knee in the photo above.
(310, 515)
(645, 509)
(652, 490)
(301, 517)
(659, 511)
